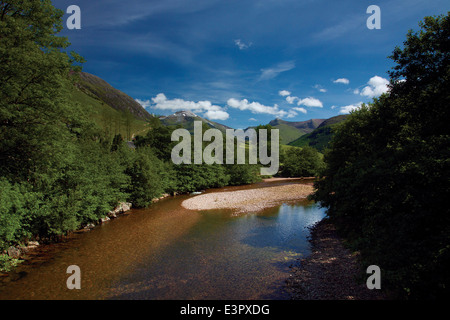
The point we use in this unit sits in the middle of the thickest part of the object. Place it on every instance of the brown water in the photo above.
(168, 252)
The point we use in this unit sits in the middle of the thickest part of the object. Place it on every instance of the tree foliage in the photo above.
(59, 171)
(301, 162)
(386, 180)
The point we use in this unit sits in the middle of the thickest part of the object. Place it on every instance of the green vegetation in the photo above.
(387, 177)
(111, 121)
(321, 136)
(301, 162)
(290, 131)
(63, 160)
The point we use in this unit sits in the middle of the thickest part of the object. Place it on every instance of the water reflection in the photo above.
(167, 252)
(227, 257)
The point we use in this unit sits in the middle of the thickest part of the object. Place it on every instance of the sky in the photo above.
(244, 63)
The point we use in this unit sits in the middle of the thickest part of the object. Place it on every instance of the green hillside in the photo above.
(290, 131)
(112, 110)
(100, 89)
(320, 137)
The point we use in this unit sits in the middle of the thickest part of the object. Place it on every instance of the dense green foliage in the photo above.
(387, 177)
(64, 165)
(320, 137)
(301, 162)
(291, 131)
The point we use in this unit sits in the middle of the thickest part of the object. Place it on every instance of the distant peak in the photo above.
(185, 114)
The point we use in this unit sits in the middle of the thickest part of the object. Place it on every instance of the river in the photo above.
(167, 252)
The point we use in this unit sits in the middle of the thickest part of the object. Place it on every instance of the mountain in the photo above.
(320, 137)
(103, 91)
(290, 131)
(111, 109)
(186, 120)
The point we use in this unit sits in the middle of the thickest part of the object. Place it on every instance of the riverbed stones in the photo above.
(251, 200)
(120, 209)
(14, 252)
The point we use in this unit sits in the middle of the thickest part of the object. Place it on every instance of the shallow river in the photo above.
(168, 252)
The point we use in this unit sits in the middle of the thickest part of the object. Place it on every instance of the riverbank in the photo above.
(330, 272)
(251, 200)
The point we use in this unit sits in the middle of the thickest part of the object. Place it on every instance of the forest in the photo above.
(383, 178)
(60, 170)
(386, 180)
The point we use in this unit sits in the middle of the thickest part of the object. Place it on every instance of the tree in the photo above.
(159, 139)
(301, 162)
(386, 180)
(33, 70)
(146, 183)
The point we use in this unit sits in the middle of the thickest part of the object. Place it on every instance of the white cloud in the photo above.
(212, 112)
(376, 87)
(290, 99)
(350, 108)
(254, 107)
(143, 103)
(258, 108)
(320, 88)
(252, 119)
(342, 80)
(274, 71)
(284, 93)
(242, 45)
(310, 102)
(161, 102)
(302, 110)
(217, 115)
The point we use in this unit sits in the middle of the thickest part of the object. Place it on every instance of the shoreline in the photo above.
(250, 200)
(330, 272)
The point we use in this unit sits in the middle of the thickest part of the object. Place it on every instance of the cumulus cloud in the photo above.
(302, 110)
(350, 108)
(241, 45)
(310, 102)
(254, 107)
(217, 115)
(376, 87)
(290, 99)
(212, 112)
(258, 108)
(342, 80)
(274, 71)
(143, 103)
(284, 93)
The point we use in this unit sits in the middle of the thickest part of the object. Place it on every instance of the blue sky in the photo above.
(244, 63)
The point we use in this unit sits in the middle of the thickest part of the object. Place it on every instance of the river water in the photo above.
(168, 252)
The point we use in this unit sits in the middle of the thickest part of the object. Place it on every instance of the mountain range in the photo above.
(186, 120)
(116, 112)
(104, 92)
(321, 136)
